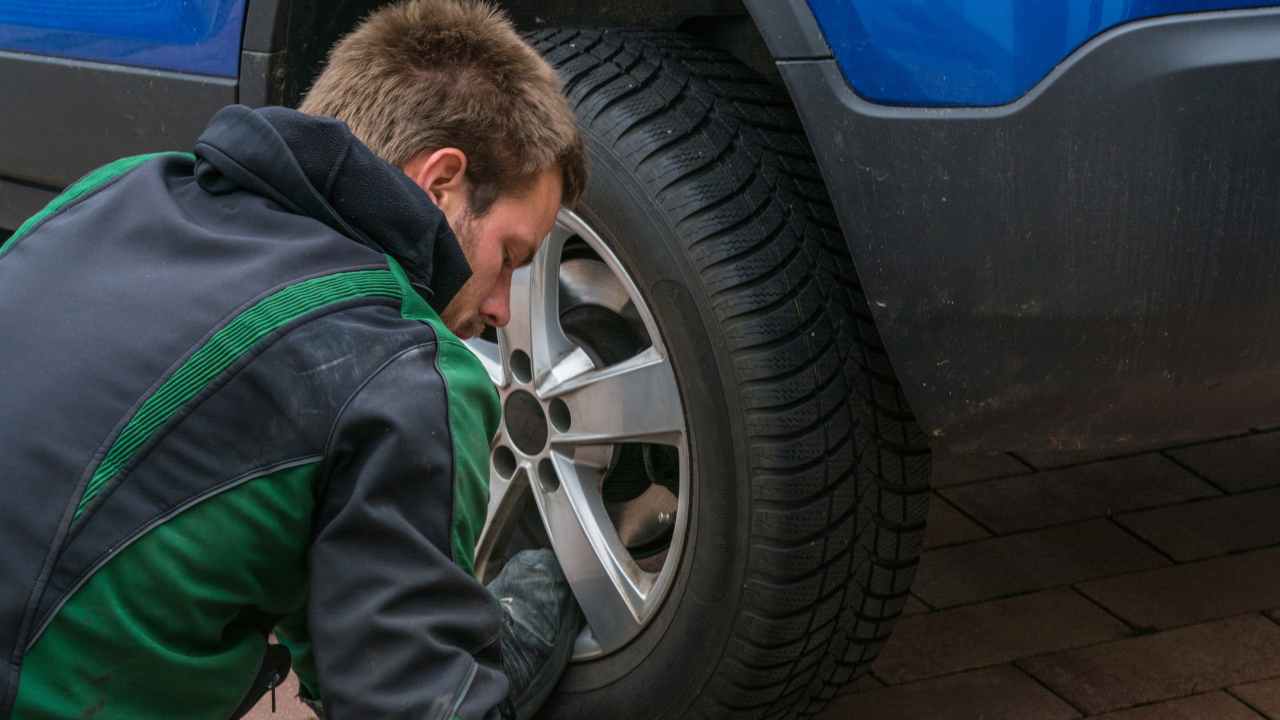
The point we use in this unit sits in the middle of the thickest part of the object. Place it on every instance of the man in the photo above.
(235, 398)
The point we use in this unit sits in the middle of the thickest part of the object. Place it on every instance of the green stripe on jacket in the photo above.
(168, 628)
(222, 350)
(474, 412)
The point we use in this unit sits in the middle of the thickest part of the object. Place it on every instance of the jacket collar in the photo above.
(316, 167)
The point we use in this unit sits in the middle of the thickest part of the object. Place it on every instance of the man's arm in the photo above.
(398, 628)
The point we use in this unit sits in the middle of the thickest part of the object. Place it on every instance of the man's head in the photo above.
(448, 91)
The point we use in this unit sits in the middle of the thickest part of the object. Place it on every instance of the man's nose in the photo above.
(497, 313)
(497, 308)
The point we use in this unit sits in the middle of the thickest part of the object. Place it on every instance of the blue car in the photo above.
(825, 241)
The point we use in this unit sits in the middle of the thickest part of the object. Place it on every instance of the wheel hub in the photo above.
(526, 422)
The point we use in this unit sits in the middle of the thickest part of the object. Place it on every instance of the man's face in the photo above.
(496, 243)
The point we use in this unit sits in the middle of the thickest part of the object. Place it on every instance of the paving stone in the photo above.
(948, 526)
(954, 469)
(1078, 493)
(1050, 459)
(1162, 666)
(1208, 528)
(864, 683)
(1209, 706)
(1003, 566)
(1192, 593)
(1264, 695)
(914, 606)
(998, 693)
(992, 633)
(1245, 463)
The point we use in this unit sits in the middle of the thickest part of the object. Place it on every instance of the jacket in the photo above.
(228, 405)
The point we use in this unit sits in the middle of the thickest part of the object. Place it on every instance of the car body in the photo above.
(1061, 213)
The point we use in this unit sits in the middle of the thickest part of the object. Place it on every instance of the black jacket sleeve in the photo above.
(398, 629)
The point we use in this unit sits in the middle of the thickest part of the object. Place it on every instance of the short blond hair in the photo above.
(421, 75)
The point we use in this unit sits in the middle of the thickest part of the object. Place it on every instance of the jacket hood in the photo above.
(314, 166)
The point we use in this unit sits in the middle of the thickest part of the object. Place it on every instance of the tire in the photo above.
(809, 472)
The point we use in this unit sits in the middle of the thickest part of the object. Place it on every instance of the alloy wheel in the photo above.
(592, 455)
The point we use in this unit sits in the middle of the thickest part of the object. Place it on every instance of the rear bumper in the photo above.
(1096, 265)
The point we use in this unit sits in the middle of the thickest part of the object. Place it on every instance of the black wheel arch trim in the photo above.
(788, 28)
(1087, 267)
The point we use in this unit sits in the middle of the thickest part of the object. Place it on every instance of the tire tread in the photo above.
(839, 467)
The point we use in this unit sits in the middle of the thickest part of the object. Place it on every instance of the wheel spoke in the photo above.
(534, 327)
(548, 344)
(570, 367)
(516, 335)
(490, 357)
(609, 587)
(634, 400)
(504, 498)
(506, 495)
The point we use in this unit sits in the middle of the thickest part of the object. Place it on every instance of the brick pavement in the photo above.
(287, 705)
(1066, 586)
(1144, 587)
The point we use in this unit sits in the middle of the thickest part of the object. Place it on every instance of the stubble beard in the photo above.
(470, 325)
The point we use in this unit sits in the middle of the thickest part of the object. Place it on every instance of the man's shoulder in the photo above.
(331, 356)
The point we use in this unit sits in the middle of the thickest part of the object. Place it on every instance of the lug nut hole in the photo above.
(559, 413)
(504, 461)
(547, 476)
(521, 367)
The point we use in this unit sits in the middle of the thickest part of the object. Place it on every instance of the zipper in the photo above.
(272, 683)
(272, 671)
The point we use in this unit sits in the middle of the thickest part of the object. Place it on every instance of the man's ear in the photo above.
(442, 175)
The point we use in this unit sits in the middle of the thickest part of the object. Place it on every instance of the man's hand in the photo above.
(540, 623)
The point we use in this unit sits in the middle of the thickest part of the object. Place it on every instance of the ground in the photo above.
(1134, 588)
(1144, 587)
(287, 705)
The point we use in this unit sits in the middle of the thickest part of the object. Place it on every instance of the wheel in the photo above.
(699, 415)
